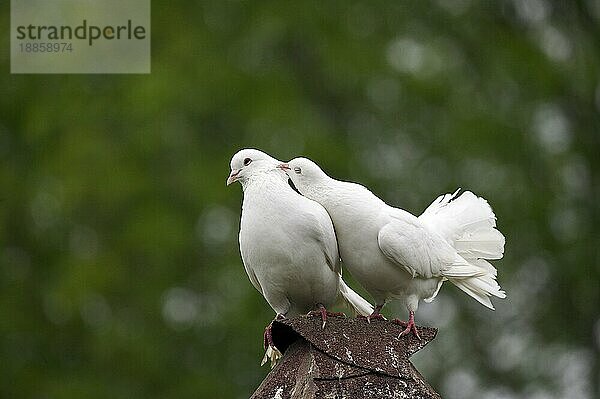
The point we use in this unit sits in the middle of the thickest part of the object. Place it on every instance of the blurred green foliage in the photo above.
(120, 275)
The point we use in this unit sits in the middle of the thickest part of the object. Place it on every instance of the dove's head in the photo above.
(304, 173)
(249, 162)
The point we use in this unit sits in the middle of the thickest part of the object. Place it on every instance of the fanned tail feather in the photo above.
(480, 288)
(468, 223)
(355, 301)
(485, 265)
(485, 243)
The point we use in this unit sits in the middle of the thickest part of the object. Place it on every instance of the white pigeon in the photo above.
(287, 243)
(396, 255)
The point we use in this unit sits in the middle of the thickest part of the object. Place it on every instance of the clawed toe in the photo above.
(375, 315)
(400, 322)
(268, 336)
(272, 354)
(372, 317)
(322, 311)
(409, 326)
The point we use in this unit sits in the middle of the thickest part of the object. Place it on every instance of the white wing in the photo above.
(318, 225)
(408, 243)
(251, 274)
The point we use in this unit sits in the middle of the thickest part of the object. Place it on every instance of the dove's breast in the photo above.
(281, 248)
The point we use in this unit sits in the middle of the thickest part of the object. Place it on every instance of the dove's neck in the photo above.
(268, 186)
(344, 200)
(265, 178)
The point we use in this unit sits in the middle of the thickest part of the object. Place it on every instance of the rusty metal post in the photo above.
(350, 358)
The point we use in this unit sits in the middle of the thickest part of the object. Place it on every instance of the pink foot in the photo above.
(324, 313)
(271, 351)
(268, 336)
(375, 315)
(409, 326)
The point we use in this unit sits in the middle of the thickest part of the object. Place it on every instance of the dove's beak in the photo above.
(233, 176)
(283, 166)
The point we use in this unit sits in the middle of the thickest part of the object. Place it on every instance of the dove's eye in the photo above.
(297, 170)
(247, 161)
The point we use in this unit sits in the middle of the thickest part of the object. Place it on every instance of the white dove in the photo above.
(396, 255)
(287, 243)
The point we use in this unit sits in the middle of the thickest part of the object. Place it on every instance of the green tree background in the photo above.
(120, 275)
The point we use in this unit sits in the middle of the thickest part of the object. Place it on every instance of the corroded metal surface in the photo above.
(350, 358)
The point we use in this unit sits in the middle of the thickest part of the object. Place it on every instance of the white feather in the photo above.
(355, 301)
(468, 224)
